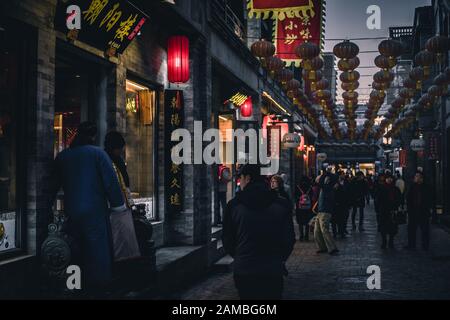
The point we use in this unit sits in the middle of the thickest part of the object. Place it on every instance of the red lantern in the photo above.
(247, 108)
(178, 59)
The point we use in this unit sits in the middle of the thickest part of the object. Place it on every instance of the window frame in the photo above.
(27, 88)
(159, 89)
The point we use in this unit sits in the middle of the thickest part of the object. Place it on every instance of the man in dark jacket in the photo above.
(258, 232)
(419, 206)
(359, 190)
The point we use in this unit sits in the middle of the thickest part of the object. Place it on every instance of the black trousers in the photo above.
(424, 225)
(361, 216)
(259, 287)
(339, 221)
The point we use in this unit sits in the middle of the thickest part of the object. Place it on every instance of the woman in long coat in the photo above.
(91, 192)
(389, 198)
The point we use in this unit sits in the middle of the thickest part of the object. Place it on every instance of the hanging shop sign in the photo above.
(394, 156)
(402, 158)
(178, 59)
(173, 119)
(292, 31)
(291, 140)
(109, 25)
(433, 149)
(278, 9)
(417, 145)
(321, 157)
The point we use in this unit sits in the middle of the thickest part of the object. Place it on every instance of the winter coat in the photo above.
(359, 190)
(418, 201)
(327, 196)
(389, 199)
(258, 231)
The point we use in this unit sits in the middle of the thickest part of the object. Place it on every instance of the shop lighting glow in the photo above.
(268, 96)
(135, 85)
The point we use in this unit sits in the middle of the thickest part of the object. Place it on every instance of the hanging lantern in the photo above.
(417, 74)
(410, 84)
(350, 86)
(385, 63)
(426, 101)
(262, 49)
(439, 45)
(247, 108)
(292, 85)
(349, 76)
(307, 50)
(178, 59)
(322, 84)
(406, 94)
(390, 49)
(425, 59)
(284, 75)
(442, 81)
(274, 64)
(435, 91)
(346, 50)
(383, 77)
(313, 64)
(348, 65)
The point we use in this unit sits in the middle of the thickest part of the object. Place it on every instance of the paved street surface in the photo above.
(404, 274)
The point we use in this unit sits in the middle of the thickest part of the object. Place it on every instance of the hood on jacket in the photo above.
(256, 195)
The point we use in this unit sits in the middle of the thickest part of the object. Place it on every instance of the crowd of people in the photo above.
(258, 229)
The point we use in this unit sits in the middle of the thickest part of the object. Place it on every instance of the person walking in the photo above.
(258, 232)
(224, 175)
(388, 202)
(380, 182)
(91, 191)
(322, 236)
(277, 185)
(341, 206)
(303, 210)
(359, 191)
(400, 184)
(418, 201)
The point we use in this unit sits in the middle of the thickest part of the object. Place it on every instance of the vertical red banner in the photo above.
(290, 32)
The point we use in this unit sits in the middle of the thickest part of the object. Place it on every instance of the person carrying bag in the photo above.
(123, 234)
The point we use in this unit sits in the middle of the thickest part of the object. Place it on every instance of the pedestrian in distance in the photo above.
(388, 202)
(359, 190)
(258, 232)
(304, 205)
(341, 210)
(419, 207)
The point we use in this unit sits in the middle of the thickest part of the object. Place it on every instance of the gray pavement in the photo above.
(404, 274)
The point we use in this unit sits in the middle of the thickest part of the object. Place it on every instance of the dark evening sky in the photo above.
(347, 19)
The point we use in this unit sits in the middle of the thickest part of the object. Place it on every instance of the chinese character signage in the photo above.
(280, 9)
(109, 25)
(290, 32)
(402, 158)
(174, 119)
(433, 149)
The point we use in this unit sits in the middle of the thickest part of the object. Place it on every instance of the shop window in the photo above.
(139, 135)
(13, 75)
(71, 103)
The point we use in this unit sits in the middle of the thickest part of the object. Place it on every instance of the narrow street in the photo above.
(404, 274)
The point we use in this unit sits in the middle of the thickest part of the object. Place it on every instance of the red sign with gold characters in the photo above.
(295, 21)
(291, 32)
